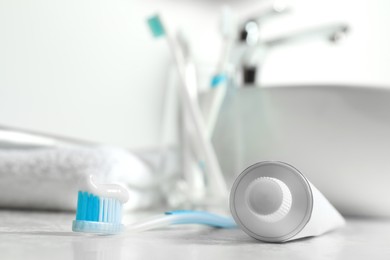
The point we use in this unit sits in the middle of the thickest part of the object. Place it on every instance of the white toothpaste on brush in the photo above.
(99, 208)
(113, 191)
(274, 202)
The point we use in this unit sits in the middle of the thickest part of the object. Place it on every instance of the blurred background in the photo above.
(92, 70)
(304, 82)
(173, 100)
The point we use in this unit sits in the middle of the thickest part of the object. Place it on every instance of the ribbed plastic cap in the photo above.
(268, 198)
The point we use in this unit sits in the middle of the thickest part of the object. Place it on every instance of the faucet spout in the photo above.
(334, 33)
(254, 56)
(251, 49)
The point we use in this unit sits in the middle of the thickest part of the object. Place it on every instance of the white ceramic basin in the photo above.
(339, 137)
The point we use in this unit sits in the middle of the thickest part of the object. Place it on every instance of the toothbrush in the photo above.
(99, 211)
(191, 164)
(202, 143)
(99, 208)
(221, 77)
(227, 27)
(179, 217)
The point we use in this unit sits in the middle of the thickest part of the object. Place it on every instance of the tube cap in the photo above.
(271, 201)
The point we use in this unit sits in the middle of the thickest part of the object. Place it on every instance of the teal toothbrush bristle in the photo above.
(97, 215)
(156, 26)
(218, 80)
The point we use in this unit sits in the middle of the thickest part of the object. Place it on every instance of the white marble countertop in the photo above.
(47, 235)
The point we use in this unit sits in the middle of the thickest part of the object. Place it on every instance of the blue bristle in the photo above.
(94, 208)
(82, 205)
(97, 214)
(78, 211)
(156, 26)
(89, 207)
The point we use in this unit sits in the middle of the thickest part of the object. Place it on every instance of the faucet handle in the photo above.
(277, 7)
(250, 27)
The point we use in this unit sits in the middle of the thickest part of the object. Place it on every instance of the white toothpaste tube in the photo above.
(274, 202)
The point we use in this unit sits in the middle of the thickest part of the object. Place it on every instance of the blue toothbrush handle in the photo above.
(201, 217)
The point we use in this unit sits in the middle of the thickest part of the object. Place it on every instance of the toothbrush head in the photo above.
(99, 208)
(156, 26)
(218, 80)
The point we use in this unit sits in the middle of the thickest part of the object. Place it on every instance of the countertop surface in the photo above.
(47, 235)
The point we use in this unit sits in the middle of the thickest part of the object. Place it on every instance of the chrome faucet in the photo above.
(251, 50)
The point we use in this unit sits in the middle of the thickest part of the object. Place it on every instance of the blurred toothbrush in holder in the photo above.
(220, 80)
(197, 144)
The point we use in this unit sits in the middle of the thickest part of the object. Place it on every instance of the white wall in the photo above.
(90, 68)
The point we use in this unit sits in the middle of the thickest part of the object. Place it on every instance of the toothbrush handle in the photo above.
(179, 217)
(201, 217)
(149, 224)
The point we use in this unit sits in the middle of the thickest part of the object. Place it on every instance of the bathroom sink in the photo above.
(337, 136)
